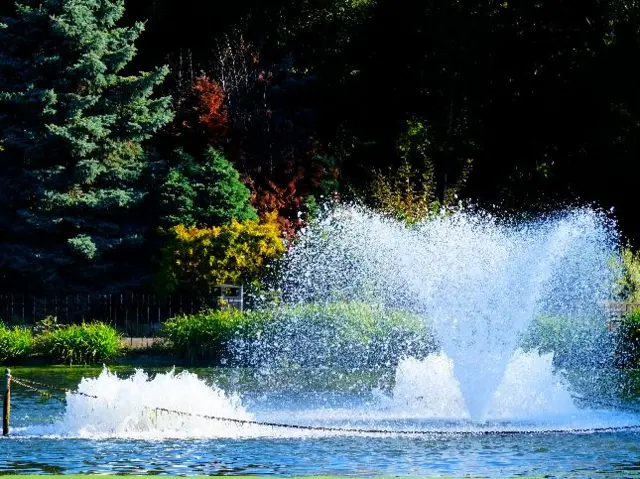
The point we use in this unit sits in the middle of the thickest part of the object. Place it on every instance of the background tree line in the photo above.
(252, 112)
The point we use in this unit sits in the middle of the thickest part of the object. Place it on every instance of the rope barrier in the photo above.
(482, 432)
(41, 392)
(34, 386)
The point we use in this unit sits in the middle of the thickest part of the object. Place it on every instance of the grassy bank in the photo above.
(49, 342)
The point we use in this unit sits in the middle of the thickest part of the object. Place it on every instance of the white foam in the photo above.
(126, 407)
(528, 390)
(530, 396)
(426, 388)
(531, 390)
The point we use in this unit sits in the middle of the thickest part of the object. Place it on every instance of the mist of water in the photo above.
(478, 280)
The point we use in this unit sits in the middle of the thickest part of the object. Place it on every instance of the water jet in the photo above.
(479, 281)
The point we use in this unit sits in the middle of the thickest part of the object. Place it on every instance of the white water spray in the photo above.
(479, 282)
(529, 390)
(126, 407)
(427, 397)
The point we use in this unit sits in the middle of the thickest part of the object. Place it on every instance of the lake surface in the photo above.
(120, 433)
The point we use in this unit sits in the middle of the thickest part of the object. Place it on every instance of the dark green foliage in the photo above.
(301, 80)
(94, 343)
(204, 192)
(72, 123)
(351, 73)
(15, 343)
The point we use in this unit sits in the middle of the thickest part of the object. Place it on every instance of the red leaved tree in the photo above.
(293, 189)
(208, 104)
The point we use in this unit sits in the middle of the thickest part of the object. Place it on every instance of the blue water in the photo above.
(31, 450)
(577, 456)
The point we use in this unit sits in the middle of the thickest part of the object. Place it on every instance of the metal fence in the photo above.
(136, 315)
(141, 315)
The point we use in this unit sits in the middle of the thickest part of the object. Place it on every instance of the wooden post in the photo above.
(6, 403)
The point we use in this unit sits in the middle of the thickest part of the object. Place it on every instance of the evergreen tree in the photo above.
(204, 193)
(72, 124)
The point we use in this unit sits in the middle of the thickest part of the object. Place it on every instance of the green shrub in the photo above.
(547, 334)
(576, 340)
(46, 325)
(628, 351)
(627, 286)
(81, 343)
(15, 343)
(345, 334)
(204, 335)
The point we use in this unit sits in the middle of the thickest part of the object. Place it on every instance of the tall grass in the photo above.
(15, 343)
(345, 334)
(92, 343)
(204, 335)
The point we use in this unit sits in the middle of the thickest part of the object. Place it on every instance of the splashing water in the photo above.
(529, 390)
(426, 388)
(126, 407)
(427, 397)
(478, 280)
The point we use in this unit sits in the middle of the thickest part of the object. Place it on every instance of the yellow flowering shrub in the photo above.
(406, 193)
(201, 258)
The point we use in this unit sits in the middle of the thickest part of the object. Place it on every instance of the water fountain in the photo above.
(477, 280)
(484, 287)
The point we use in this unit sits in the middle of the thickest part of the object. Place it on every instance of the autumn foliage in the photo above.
(273, 146)
(294, 189)
(201, 258)
(286, 200)
(202, 117)
(210, 106)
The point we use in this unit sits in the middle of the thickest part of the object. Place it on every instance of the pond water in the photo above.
(119, 432)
